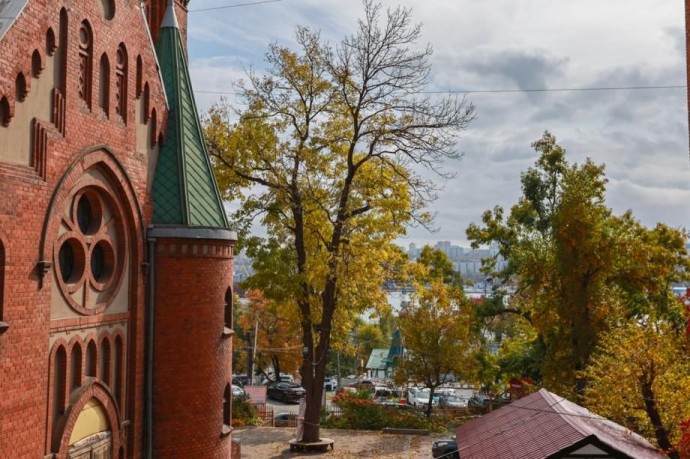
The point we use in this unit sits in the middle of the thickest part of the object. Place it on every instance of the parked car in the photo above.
(240, 380)
(452, 401)
(285, 392)
(445, 448)
(479, 400)
(237, 391)
(420, 397)
(284, 377)
(330, 384)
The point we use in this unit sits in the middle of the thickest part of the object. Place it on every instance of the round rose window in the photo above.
(89, 251)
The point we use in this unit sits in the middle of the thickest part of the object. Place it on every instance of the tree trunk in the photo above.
(431, 399)
(652, 411)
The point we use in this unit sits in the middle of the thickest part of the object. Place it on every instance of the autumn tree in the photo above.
(326, 155)
(573, 264)
(436, 327)
(638, 376)
(277, 334)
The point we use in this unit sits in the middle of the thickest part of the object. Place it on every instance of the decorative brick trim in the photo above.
(78, 323)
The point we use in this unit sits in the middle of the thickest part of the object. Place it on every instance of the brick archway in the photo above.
(93, 391)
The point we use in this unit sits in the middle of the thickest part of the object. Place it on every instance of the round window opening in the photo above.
(102, 258)
(90, 250)
(71, 258)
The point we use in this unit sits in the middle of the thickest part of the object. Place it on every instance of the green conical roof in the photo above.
(184, 189)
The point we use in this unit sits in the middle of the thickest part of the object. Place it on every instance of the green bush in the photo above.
(360, 412)
(244, 413)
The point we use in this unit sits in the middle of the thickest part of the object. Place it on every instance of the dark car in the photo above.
(285, 392)
(240, 380)
(445, 448)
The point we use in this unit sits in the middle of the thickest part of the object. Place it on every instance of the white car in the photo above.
(237, 391)
(420, 397)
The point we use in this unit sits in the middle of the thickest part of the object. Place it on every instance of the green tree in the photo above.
(573, 264)
(436, 330)
(323, 153)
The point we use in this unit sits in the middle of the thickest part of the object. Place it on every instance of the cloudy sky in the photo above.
(498, 45)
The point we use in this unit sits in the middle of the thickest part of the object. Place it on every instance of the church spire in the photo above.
(184, 188)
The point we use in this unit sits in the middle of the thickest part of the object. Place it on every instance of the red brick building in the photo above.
(115, 252)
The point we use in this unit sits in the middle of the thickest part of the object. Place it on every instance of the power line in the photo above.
(233, 6)
(506, 91)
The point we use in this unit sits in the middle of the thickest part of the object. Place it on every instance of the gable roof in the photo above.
(543, 424)
(378, 360)
(184, 188)
(9, 12)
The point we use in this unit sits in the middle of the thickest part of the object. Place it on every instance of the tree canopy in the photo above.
(326, 155)
(436, 327)
(572, 265)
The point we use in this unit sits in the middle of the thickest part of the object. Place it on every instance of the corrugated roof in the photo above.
(542, 424)
(378, 360)
(184, 188)
(9, 12)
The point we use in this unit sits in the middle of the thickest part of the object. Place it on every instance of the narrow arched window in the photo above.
(20, 84)
(140, 77)
(59, 380)
(36, 64)
(121, 82)
(104, 84)
(51, 44)
(147, 102)
(228, 308)
(227, 400)
(85, 62)
(4, 112)
(104, 372)
(117, 385)
(75, 367)
(153, 128)
(91, 353)
(64, 23)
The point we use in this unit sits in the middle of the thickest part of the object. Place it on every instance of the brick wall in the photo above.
(26, 195)
(192, 352)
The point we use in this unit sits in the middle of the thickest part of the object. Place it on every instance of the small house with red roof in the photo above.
(544, 425)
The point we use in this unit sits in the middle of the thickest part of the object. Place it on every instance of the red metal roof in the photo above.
(542, 424)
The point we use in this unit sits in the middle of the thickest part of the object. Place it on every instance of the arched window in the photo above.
(36, 64)
(4, 112)
(153, 128)
(91, 354)
(228, 308)
(75, 367)
(140, 77)
(121, 67)
(64, 21)
(117, 385)
(59, 379)
(20, 84)
(104, 372)
(227, 400)
(85, 62)
(51, 44)
(104, 84)
(147, 102)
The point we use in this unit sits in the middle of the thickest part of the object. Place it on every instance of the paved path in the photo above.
(272, 443)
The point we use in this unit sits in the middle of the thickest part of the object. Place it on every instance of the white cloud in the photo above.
(642, 136)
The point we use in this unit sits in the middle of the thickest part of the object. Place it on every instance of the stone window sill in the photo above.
(228, 331)
(226, 430)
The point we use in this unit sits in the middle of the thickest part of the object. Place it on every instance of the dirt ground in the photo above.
(272, 443)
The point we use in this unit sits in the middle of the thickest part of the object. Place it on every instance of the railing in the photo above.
(265, 413)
